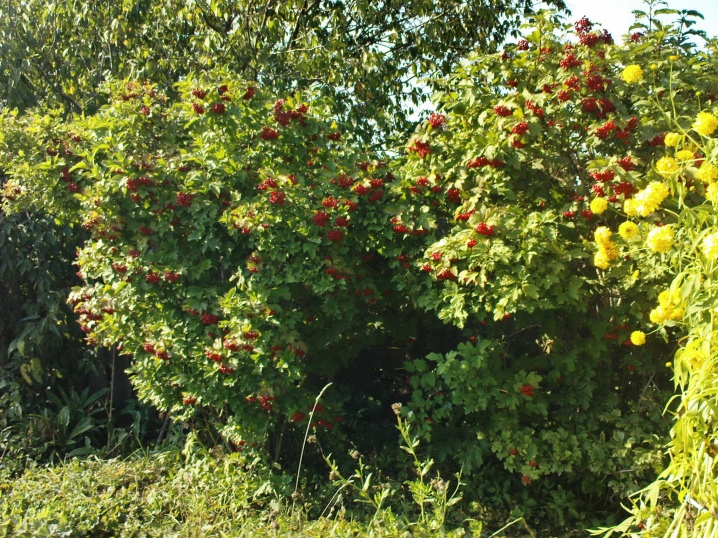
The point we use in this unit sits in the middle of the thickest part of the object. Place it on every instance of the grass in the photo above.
(166, 494)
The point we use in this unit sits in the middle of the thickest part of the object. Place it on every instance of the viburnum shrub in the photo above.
(231, 245)
(559, 377)
(518, 258)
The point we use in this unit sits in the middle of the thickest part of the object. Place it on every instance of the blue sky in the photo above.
(616, 15)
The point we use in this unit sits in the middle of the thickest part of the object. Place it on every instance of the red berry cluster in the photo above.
(454, 196)
(527, 390)
(446, 274)
(335, 235)
(209, 319)
(534, 108)
(422, 149)
(480, 162)
(569, 61)
(213, 356)
(606, 175)
(605, 130)
(134, 184)
(320, 218)
(277, 198)
(463, 217)
(268, 133)
(485, 229)
(152, 278)
(437, 120)
(199, 93)
(502, 111)
(226, 370)
(198, 109)
(218, 108)
(598, 107)
(520, 128)
(251, 91)
(184, 199)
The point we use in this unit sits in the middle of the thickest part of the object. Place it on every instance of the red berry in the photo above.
(485, 229)
(437, 120)
(335, 235)
(320, 218)
(218, 108)
(198, 109)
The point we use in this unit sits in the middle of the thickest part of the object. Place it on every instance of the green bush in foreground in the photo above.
(207, 494)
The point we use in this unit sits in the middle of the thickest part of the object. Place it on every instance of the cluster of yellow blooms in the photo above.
(670, 307)
(710, 246)
(660, 238)
(647, 200)
(607, 251)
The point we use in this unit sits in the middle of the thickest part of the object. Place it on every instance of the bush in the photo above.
(247, 254)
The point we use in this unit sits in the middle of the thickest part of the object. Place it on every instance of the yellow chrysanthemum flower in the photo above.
(648, 200)
(598, 205)
(638, 338)
(658, 315)
(667, 166)
(705, 123)
(600, 260)
(628, 230)
(710, 246)
(692, 354)
(660, 239)
(707, 172)
(629, 207)
(632, 74)
(602, 235)
(672, 139)
(670, 303)
(712, 193)
(685, 155)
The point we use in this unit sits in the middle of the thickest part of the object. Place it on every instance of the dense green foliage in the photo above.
(493, 280)
(363, 54)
